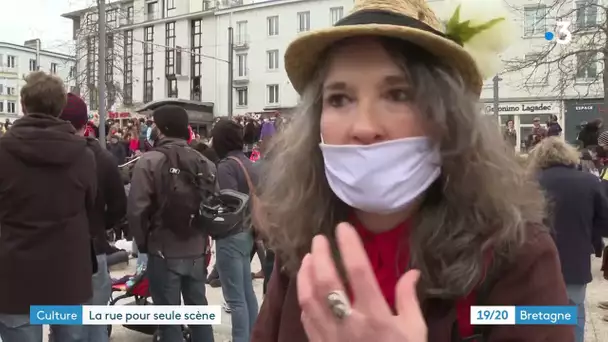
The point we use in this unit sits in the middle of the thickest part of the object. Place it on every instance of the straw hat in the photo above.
(410, 20)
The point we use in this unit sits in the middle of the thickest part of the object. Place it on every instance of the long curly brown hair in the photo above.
(482, 201)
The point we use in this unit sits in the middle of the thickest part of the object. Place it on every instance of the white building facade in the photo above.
(16, 61)
(179, 49)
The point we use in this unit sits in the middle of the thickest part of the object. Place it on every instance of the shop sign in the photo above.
(112, 115)
(520, 108)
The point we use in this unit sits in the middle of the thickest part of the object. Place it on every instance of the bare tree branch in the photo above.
(85, 48)
(577, 67)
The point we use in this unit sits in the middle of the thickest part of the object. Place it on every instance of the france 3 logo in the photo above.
(562, 34)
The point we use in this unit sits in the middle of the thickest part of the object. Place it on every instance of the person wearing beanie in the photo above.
(235, 171)
(110, 207)
(48, 183)
(173, 249)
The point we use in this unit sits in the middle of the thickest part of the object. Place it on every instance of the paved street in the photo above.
(597, 330)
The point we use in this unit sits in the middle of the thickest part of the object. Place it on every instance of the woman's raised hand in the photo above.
(327, 314)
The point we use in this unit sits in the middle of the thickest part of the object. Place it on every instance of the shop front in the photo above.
(200, 114)
(583, 110)
(523, 114)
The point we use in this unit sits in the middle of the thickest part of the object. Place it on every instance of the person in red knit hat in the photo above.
(109, 208)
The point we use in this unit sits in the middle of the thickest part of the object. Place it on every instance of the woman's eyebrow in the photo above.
(395, 80)
(335, 86)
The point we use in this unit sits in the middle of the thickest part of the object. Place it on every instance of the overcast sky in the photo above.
(28, 19)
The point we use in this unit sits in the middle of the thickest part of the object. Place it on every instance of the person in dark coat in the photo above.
(117, 149)
(554, 129)
(48, 186)
(589, 133)
(233, 252)
(578, 211)
(109, 209)
(249, 137)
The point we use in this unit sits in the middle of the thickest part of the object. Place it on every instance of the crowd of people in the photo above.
(382, 212)
(552, 128)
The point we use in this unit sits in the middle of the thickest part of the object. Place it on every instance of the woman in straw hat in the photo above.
(407, 209)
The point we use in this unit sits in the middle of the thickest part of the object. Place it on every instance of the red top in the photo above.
(389, 255)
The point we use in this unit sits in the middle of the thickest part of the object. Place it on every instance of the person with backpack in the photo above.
(233, 250)
(163, 214)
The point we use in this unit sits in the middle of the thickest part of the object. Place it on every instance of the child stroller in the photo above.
(137, 287)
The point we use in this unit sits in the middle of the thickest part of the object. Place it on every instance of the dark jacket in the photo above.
(231, 176)
(553, 129)
(151, 235)
(47, 187)
(532, 278)
(578, 212)
(111, 201)
(589, 134)
(510, 136)
(119, 152)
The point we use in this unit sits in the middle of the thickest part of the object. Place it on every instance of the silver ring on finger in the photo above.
(339, 304)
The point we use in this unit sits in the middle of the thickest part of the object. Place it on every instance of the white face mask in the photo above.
(381, 178)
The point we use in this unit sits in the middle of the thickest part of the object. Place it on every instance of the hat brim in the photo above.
(304, 53)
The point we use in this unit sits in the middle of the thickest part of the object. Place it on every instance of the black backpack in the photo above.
(189, 183)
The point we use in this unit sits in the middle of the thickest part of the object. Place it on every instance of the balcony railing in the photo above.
(241, 41)
(152, 16)
(240, 77)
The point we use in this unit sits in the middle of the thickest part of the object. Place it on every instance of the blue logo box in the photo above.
(56, 314)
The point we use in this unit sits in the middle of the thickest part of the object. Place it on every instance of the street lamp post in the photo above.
(101, 74)
(496, 81)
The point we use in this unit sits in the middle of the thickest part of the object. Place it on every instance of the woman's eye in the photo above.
(399, 95)
(337, 100)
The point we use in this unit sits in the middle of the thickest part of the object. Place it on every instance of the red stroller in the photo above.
(137, 287)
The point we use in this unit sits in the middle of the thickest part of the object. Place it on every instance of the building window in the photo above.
(1, 89)
(130, 14)
(172, 87)
(53, 68)
(11, 61)
(11, 91)
(272, 57)
(72, 72)
(535, 21)
(127, 97)
(273, 94)
(11, 107)
(170, 5)
(242, 65)
(195, 59)
(1, 106)
(586, 65)
(586, 13)
(109, 76)
(111, 16)
(241, 33)
(91, 76)
(273, 25)
(33, 65)
(178, 60)
(148, 63)
(335, 14)
(152, 10)
(241, 97)
(170, 49)
(303, 21)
